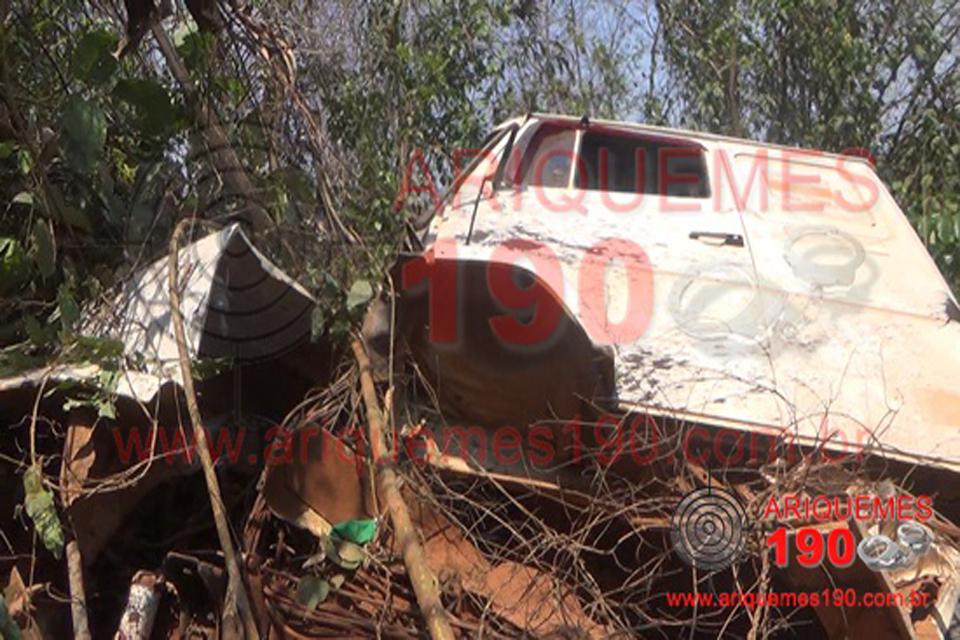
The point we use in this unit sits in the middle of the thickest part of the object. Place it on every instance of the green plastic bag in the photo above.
(357, 531)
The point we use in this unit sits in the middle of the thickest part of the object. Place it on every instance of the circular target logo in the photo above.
(707, 529)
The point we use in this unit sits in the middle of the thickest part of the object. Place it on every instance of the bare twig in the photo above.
(78, 596)
(236, 608)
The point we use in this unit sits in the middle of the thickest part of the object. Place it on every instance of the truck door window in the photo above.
(609, 160)
(617, 161)
(548, 158)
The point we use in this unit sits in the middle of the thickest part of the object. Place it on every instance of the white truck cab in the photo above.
(731, 283)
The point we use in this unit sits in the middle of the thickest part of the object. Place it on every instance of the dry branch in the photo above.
(78, 597)
(223, 157)
(408, 539)
(236, 609)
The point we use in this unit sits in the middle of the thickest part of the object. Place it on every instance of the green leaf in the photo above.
(14, 266)
(359, 295)
(311, 591)
(295, 193)
(24, 197)
(181, 32)
(140, 220)
(93, 61)
(206, 368)
(40, 507)
(85, 133)
(156, 115)
(6, 150)
(349, 555)
(68, 308)
(318, 320)
(14, 361)
(74, 217)
(343, 553)
(40, 335)
(195, 49)
(315, 559)
(100, 350)
(44, 248)
(24, 162)
(106, 408)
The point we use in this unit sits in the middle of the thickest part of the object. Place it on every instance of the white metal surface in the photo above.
(828, 323)
(236, 305)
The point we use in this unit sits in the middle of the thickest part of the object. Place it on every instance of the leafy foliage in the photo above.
(834, 76)
(39, 505)
(329, 108)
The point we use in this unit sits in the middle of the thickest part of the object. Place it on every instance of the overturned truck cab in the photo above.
(580, 265)
(747, 302)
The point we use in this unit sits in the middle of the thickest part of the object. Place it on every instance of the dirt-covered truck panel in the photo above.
(736, 284)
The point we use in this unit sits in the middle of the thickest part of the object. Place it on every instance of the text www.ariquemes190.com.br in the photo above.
(830, 597)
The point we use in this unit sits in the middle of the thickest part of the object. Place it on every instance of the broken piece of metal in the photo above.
(143, 602)
(314, 480)
(236, 304)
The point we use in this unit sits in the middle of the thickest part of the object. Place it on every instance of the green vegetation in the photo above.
(324, 104)
(882, 76)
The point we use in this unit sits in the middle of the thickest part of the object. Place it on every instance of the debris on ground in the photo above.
(355, 513)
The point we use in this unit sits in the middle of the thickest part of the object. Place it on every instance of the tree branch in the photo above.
(407, 537)
(222, 155)
(237, 616)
